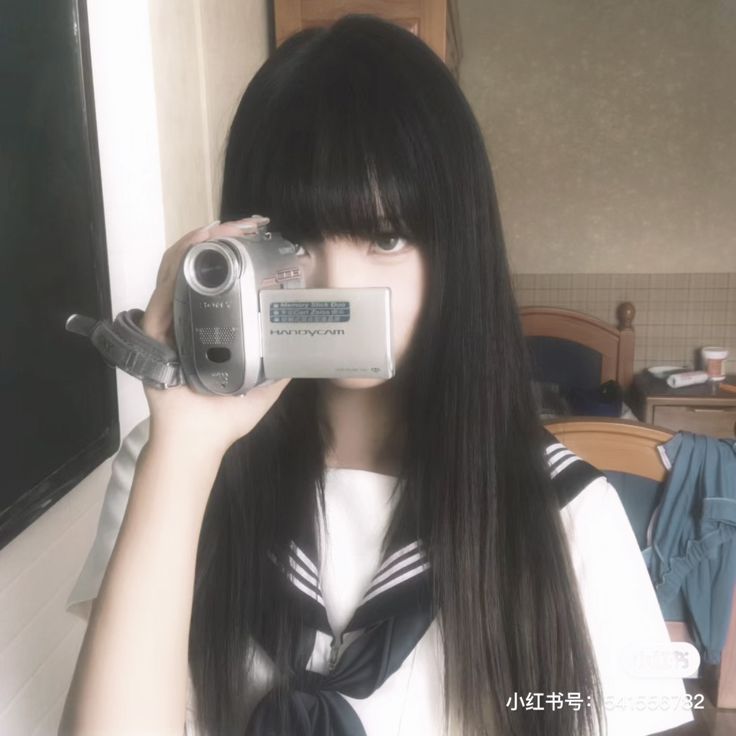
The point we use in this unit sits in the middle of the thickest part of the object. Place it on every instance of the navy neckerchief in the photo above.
(391, 618)
(393, 615)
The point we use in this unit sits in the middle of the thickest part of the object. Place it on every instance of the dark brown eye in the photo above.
(390, 243)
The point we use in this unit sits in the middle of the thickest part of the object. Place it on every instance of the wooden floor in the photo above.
(709, 721)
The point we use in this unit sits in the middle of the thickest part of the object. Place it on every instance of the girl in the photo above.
(349, 557)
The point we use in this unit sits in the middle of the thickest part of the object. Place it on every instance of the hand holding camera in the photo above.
(230, 316)
(181, 411)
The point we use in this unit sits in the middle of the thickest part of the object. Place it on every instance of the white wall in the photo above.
(205, 52)
(167, 76)
(611, 128)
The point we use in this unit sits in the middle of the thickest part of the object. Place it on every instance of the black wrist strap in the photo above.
(123, 344)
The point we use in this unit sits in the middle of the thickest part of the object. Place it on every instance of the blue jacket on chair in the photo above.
(693, 546)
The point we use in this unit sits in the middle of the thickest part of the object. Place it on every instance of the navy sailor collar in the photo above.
(402, 581)
(569, 473)
(395, 612)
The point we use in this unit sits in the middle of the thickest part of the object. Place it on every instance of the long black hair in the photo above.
(340, 130)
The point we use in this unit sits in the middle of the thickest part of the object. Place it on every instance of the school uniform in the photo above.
(372, 659)
(692, 555)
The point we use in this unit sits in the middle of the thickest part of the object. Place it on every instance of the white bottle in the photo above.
(689, 378)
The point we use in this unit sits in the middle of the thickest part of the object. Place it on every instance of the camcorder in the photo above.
(243, 317)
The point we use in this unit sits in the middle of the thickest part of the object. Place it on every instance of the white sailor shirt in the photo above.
(618, 599)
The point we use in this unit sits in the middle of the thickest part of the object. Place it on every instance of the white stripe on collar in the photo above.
(394, 582)
(418, 544)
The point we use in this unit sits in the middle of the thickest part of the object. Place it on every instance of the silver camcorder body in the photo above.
(242, 317)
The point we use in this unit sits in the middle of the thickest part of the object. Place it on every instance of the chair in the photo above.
(573, 349)
(621, 446)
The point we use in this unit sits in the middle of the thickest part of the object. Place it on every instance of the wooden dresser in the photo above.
(702, 409)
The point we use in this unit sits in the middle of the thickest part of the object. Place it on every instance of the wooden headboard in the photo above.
(615, 344)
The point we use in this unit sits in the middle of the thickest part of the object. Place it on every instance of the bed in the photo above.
(581, 364)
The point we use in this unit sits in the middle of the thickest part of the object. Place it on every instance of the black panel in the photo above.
(565, 363)
(57, 398)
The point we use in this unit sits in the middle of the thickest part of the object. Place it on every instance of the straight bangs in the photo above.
(335, 142)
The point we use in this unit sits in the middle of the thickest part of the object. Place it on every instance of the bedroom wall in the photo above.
(166, 76)
(611, 129)
(204, 54)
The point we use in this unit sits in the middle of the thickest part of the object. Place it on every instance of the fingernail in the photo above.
(252, 222)
(213, 223)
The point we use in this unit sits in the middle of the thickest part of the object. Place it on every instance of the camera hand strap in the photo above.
(123, 344)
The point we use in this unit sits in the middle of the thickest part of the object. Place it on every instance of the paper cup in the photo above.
(714, 362)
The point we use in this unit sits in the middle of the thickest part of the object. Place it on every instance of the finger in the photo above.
(216, 229)
(199, 235)
(252, 223)
(158, 316)
(234, 228)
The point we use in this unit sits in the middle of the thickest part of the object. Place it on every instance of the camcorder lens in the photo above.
(211, 268)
